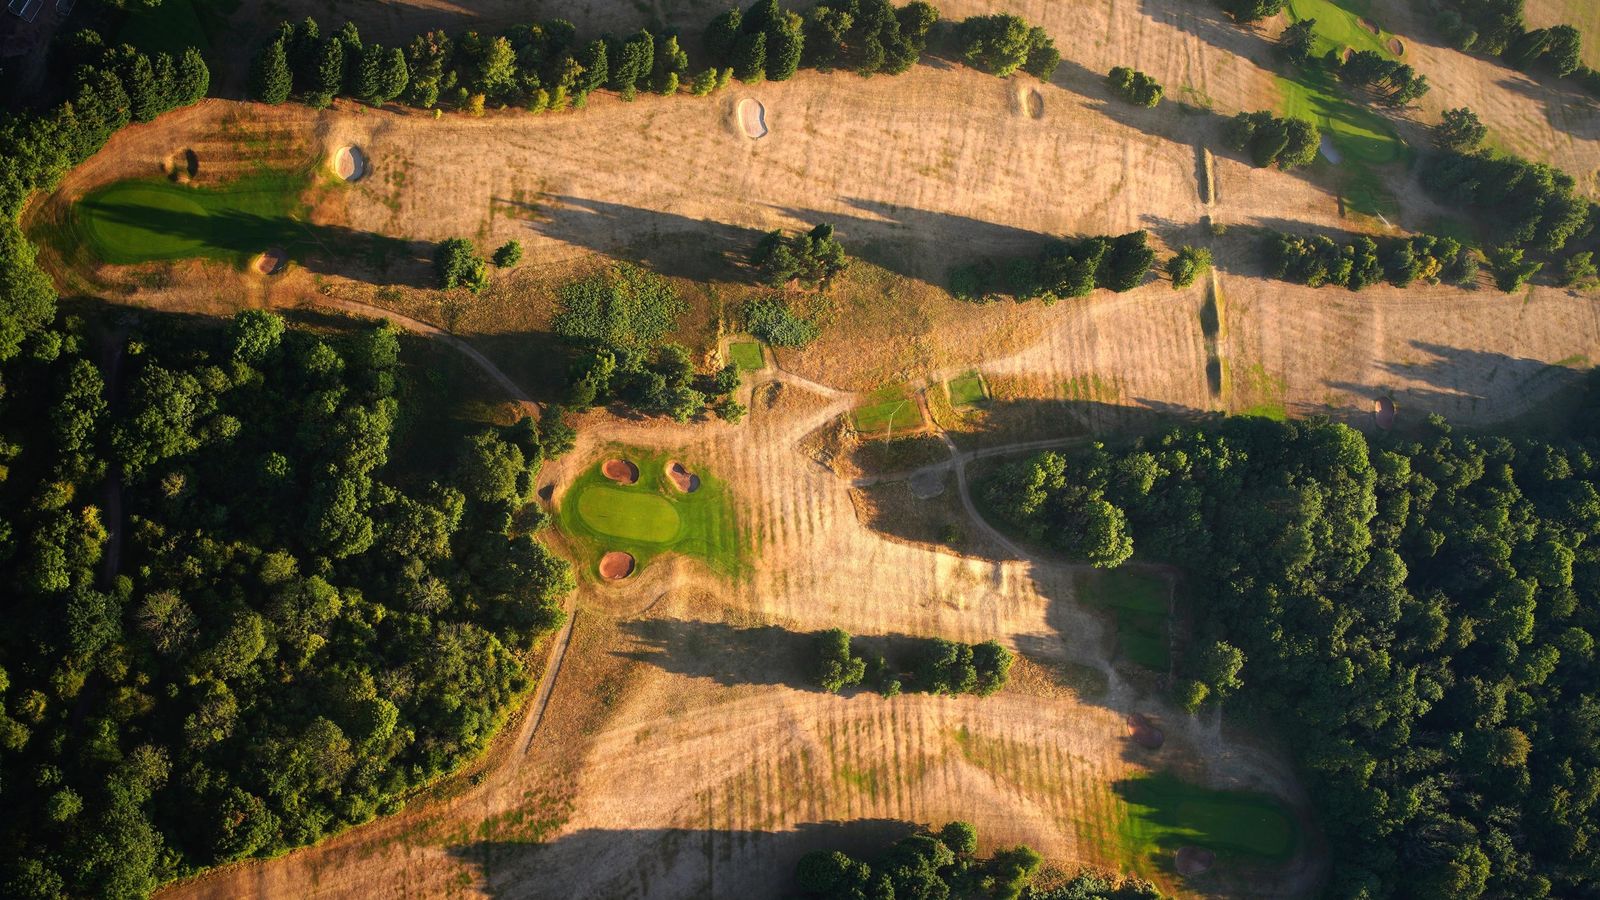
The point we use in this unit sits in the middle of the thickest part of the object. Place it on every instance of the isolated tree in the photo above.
(1460, 130)
(1579, 271)
(997, 44)
(1564, 52)
(508, 254)
(1043, 58)
(393, 75)
(1297, 41)
(835, 668)
(1511, 270)
(458, 264)
(1189, 264)
(270, 80)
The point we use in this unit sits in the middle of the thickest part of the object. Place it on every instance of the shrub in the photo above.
(458, 264)
(1001, 44)
(1511, 271)
(1188, 265)
(270, 79)
(771, 320)
(811, 258)
(835, 669)
(1134, 87)
(508, 254)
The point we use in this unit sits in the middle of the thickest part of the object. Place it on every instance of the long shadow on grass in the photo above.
(666, 242)
(324, 249)
(1566, 107)
(515, 862)
(1462, 381)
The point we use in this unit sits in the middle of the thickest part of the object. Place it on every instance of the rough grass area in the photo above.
(1583, 15)
(140, 221)
(887, 411)
(1162, 813)
(172, 25)
(967, 390)
(652, 517)
(748, 356)
(1139, 602)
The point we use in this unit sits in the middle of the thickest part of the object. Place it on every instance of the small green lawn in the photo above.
(652, 517)
(137, 221)
(1139, 602)
(886, 411)
(1162, 813)
(967, 390)
(748, 356)
(1273, 411)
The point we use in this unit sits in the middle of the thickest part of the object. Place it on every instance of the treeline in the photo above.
(615, 322)
(1526, 204)
(110, 87)
(1417, 614)
(1270, 140)
(1498, 28)
(928, 864)
(1319, 260)
(546, 66)
(1069, 268)
(938, 667)
(296, 631)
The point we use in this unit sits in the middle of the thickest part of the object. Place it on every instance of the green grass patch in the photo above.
(144, 220)
(652, 517)
(886, 411)
(967, 390)
(748, 356)
(1273, 411)
(1338, 25)
(1161, 813)
(1139, 603)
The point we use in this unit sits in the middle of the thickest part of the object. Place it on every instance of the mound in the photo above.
(927, 485)
(621, 471)
(1397, 48)
(183, 166)
(1383, 411)
(616, 565)
(753, 119)
(1191, 861)
(350, 163)
(1145, 733)
(1368, 25)
(1033, 102)
(683, 479)
(271, 261)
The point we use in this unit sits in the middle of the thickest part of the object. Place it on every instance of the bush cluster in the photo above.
(810, 260)
(927, 864)
(1269, 140)
(1395, 82)
(457, 264)
(773, 320)
(1072, 268)
(1135, 87)
(1001, 44)
(938, 667)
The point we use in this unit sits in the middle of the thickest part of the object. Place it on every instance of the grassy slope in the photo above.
(706, 526)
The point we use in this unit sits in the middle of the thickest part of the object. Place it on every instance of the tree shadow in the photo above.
(677, 862)
(1567, 108)
(323, 249)
(1208, 23)
(1460, 380)
(666, 242)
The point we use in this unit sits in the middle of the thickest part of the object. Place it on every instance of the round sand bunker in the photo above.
(1193, 861)
(272, 261)
(753, 119)
(621, 471)
(1397, 48)
(1145, 733)
(350, 163)
(616, 565)
(683, 479)
(1383, 412)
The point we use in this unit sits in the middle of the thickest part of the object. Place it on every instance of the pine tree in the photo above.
(194, 78)
(329, 78)
(270, 80)
(393, 75)
(750, 59)
(785, 44)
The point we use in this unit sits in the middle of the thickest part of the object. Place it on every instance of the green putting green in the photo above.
(630, 515)
(1161, 813)
(137, 221)
(651, 517)
(748, 356)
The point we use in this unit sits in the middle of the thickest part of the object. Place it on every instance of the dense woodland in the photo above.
(1416, 615)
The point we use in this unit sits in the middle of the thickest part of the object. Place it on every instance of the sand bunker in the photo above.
(1193, 861)
(1383, 412)
(682, 478)
(272, 261)
(1145, 733)
(616, 565)
(621, 471)
(1397, 48)
(1033, 102)
(1368, 25)
(350, 163)
(753, 118)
